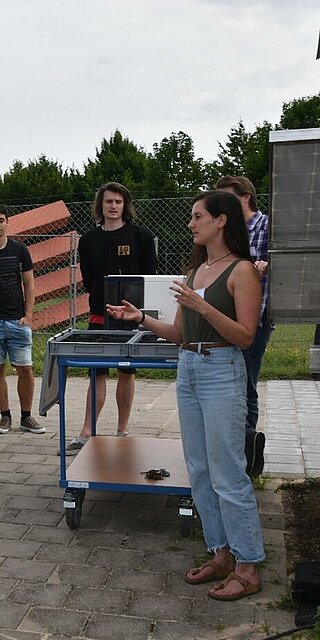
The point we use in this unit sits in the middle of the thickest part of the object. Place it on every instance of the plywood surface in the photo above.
(108, 459)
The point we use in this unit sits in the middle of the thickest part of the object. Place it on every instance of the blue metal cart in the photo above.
(107, 462)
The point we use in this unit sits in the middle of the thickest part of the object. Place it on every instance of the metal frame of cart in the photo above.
(131, 453)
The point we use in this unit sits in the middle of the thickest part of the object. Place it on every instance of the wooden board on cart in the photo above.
(120, 461)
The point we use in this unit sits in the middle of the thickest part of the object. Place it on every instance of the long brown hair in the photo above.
(235, 230)
(128, 209)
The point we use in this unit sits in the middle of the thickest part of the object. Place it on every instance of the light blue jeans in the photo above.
(212, 403)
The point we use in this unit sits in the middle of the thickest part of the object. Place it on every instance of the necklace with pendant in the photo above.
(217, 260)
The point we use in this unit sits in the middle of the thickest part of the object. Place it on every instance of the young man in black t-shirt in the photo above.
(16, 305)
(116, 246)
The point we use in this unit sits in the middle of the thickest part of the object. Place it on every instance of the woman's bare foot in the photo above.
(216, 569)
(245, 581)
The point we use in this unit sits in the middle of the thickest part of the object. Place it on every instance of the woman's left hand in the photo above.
(126, 311)
(187, 297)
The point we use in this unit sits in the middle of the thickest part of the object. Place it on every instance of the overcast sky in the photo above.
(75, 70)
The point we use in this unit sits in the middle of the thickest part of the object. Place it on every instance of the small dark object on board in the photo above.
(156, 474)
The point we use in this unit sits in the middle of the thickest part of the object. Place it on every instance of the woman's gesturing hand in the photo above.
(187, 297)
(124, 312)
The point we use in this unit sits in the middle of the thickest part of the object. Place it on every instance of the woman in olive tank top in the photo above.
(217, 315)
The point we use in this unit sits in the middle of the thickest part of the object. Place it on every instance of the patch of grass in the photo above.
(174, 549)
(272, 555)
(45, 304)
(316, 628)
(219, 625)
(199, 560)
(285, 603)
(266, 627)
(156, 374)
(261, 482)
(286, 357)
(287, 354)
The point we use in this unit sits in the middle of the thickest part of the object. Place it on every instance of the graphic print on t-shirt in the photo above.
(124, 250)
(9, 274)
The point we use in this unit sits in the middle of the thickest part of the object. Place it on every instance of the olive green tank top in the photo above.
(195, 327)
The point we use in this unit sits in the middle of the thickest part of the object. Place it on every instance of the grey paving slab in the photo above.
(78, 575)
(285, 471)
(101, 599)
(137, 581)
(20, 568)
(50, 620)
(19, 549)
(6, 585)
(120, 575)
(37, 593)
(112, 627)
(11, 614)
(20, 635)
(160, 606)
(123, 558)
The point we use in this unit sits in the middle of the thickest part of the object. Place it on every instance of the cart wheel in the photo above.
(73, 515)
(82, 494)
(187, 524)
(186, 512)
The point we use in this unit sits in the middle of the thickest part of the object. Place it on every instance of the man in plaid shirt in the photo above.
(257, 225)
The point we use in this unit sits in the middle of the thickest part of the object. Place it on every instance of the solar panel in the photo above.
(294, 263)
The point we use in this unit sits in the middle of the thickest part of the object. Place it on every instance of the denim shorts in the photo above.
(15, 342)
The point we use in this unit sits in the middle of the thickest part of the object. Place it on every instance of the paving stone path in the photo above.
(119, 576)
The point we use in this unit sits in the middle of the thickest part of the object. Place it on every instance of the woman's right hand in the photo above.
(124, 312)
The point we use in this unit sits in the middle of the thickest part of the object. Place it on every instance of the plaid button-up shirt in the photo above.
(257, 227)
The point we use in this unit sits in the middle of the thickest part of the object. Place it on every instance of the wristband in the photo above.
(142, 317)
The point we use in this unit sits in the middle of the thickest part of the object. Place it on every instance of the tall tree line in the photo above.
(171, 170)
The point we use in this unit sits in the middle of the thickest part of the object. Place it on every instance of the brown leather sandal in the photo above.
(248, 588)
(219, 572)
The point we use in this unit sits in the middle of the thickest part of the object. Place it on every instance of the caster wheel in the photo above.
(186, 527)
(73, 515)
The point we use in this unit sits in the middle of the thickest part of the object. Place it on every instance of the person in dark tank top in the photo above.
(217, 317)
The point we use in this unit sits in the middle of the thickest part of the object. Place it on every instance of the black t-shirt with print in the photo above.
(129, 250)
(14, 259)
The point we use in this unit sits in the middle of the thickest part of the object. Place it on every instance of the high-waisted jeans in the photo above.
(212, 402)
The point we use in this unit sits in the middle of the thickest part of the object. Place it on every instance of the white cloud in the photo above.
(73, 72)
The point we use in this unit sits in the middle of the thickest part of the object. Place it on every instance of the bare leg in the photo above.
(4, 399)
(101, 389)
(25, 387)
(124, 397)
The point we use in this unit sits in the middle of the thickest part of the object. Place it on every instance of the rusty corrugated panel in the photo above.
(52, 251)
(43, 219)
(54, 283)
(59, 313)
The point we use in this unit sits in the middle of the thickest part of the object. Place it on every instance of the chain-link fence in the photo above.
(60, 299)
